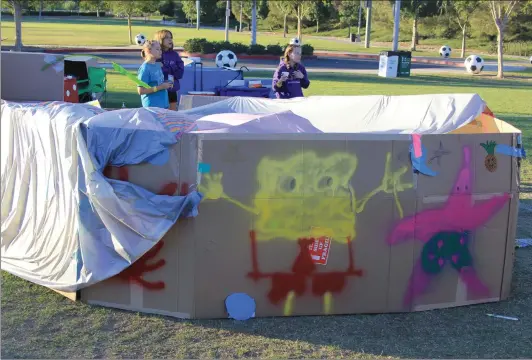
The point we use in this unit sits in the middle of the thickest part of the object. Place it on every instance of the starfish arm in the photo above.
(404, 230)
(418, 284)
(482, 211)
(419, 226)
(473, 283)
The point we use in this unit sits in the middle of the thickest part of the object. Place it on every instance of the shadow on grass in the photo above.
(414, 80)
(115, 99)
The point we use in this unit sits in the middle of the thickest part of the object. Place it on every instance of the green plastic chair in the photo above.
(97, 82)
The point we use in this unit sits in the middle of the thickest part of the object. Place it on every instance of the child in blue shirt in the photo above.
(152, 74)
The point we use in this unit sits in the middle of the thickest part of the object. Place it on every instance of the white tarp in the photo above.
(422, 114)
(66, 226)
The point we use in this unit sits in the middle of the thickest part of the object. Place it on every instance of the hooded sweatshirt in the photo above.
(292, 87)
(172, 65)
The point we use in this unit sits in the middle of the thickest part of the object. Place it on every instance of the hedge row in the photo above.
(203, 46)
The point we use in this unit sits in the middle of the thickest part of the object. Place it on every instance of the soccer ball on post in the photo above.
(445, 51)
(140, 39)
(474, 64)
(226, 58)
(295, 42)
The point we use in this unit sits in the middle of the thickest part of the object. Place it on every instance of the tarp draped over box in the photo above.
(289, 174)
(64, 224)
(377, 114)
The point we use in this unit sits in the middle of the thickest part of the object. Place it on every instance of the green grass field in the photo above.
(114, 32)
(38, 323)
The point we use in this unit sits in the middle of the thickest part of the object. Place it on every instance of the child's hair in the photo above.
(160, 35)
(289, 50)
(146, 46)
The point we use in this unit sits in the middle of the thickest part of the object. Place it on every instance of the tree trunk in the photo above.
(254, 22)
(349, 31)
(299, 22)
(18, 25)
(241, 11)
(462, 55)
(500, 39)
(359, 18)
(129, 28)
(284, 25)
(40, 9)
(317, 25)
(414, 34)
(97, 12)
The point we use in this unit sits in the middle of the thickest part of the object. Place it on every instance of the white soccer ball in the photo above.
(531, 59)
(445, 51)
(474, 64)
(295, 41)
(140, 39)
(226, 58)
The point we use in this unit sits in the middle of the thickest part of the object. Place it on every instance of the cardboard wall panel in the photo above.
(22, 78)
(271, 201)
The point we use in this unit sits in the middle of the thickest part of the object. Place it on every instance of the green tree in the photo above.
(242, 7)
(189, 8)
(319, 11)
(302, 9)
(460, 12)
(167, 8)
(148, 7)
(264, 9)
(129, 8)
(284, 8)
(416, 9)
(93, 5)
(348, 12)
(70, 5)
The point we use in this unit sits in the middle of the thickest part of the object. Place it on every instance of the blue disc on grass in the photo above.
(240, 306)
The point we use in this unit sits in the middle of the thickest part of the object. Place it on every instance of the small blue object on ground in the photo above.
(240, 306)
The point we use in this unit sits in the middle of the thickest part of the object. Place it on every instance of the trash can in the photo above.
(388, 63)
(405, 61)
(354, 38)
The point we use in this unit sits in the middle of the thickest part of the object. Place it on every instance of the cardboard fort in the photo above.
(323, 205)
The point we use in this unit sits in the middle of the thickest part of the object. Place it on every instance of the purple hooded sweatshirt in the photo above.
(292, 87)
(172, 65)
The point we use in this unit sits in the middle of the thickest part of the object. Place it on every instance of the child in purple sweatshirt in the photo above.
(172, 65)
(291, 76)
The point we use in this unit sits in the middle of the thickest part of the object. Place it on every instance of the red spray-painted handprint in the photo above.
(136, 271)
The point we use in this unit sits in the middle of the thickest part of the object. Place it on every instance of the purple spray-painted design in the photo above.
(445, 233)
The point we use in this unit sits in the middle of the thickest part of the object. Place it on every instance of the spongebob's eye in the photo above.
(288, 183)
(325, 182)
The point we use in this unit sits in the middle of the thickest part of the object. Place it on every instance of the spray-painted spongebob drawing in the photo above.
(303, 198)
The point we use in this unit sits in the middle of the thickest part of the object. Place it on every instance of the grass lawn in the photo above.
(114, 32)
(38, 323)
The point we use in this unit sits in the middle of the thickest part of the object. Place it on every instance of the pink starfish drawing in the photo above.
(458, 217)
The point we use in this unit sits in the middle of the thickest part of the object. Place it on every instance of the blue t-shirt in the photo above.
(152, 74)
